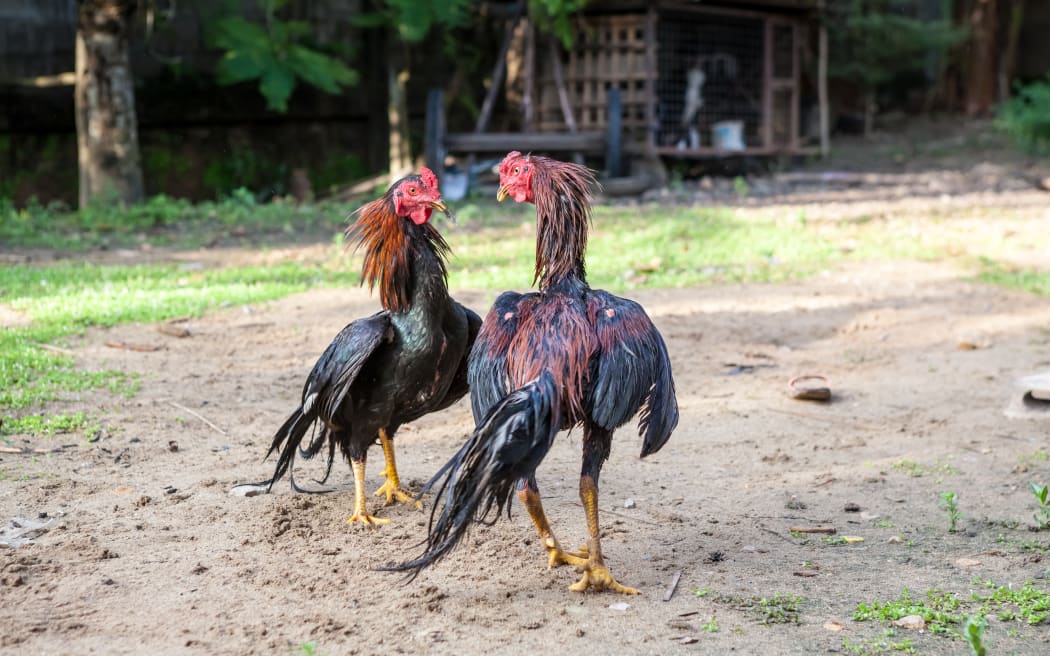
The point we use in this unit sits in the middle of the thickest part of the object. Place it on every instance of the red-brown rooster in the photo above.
(566, 356)
(395, 366)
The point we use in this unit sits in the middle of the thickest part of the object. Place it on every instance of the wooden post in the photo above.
(822, 86)
(397, 116)
(434, 134)
(498, 71)
(554, 52)
(104, 97)
(767, 84)
(614, 136)
(529, 77)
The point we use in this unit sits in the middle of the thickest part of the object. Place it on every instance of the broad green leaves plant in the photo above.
(274, 54)
(555, 17)
(1026, 117)
(412, 19)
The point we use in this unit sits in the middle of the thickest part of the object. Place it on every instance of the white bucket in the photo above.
(728, 135)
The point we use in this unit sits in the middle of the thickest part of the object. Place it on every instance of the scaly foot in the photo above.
(394, 494)
(598, 577)
(556, 556)
(365, 518)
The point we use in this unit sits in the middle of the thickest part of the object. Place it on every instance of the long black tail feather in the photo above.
(288, 440)
(507, 445)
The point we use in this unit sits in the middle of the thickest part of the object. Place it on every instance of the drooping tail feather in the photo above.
(507, 445)
(287, 441)
(660, 413)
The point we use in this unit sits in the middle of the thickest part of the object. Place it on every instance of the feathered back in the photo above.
(562, 193)
(391, 247)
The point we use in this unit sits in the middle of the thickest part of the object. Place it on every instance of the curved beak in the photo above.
(440, 206)
(501, 193)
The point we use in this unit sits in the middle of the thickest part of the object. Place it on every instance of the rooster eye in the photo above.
(517, 170)
(413, 191)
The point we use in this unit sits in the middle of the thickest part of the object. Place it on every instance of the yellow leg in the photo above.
(392, 487)
(360, 512)
(595, 573)
(555, 555)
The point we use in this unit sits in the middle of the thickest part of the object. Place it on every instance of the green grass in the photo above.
(77, 422)
(1036, 282)
(780, 608)
(938, 610)
(164, 221)
(918, 470)
(64, 299)
(945, 613)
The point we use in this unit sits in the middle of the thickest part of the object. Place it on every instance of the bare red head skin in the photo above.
(415, 197)
(515, 178)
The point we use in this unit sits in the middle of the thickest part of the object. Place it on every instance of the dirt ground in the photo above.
(128, 564)
(145, 551)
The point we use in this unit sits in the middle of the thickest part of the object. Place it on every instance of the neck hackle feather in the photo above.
(562, 194)
(392, 246)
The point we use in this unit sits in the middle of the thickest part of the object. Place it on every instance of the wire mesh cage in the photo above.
(694, 81)
(711, 76)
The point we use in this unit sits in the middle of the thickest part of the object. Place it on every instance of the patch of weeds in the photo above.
(938, 610)
(835, 540)
(882, 523)
(973, 634)
(1042, 497)
(950, 503)
(18, 473)
(917, 470)
(49, 425)
(741, 187)
(701, 592)
(1033, 545)
(711, 626)
(943, 611)
(309, 648)
(781, 608)
(1024, 604)
(874, 648)
(1036, 282)
(1042, 455)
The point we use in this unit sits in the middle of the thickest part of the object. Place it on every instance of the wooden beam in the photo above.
(822, 87)
(495, 142)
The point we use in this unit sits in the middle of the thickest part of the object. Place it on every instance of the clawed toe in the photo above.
(369, 520)
(598, 578)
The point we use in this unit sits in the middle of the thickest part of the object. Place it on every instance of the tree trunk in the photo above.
(980, 87)
(107, 130)
(397, 116)
(1008, 65)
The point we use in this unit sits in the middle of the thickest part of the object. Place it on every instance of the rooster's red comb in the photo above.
(504, 166)
(429, 179)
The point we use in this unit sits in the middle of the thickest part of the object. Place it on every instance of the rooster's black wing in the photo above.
(633, 371)
(487, 369)
(330, 380)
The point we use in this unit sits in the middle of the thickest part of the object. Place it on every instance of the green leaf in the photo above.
(276, 85)
(238, 67)
(236, 33)
(370, 19)
(320, 70)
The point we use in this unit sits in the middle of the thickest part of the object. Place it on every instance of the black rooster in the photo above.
(397, 365)
(563, 357)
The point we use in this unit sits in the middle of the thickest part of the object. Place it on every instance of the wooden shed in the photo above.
(696, 79)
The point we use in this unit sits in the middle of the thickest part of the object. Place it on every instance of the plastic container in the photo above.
(728, 135)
